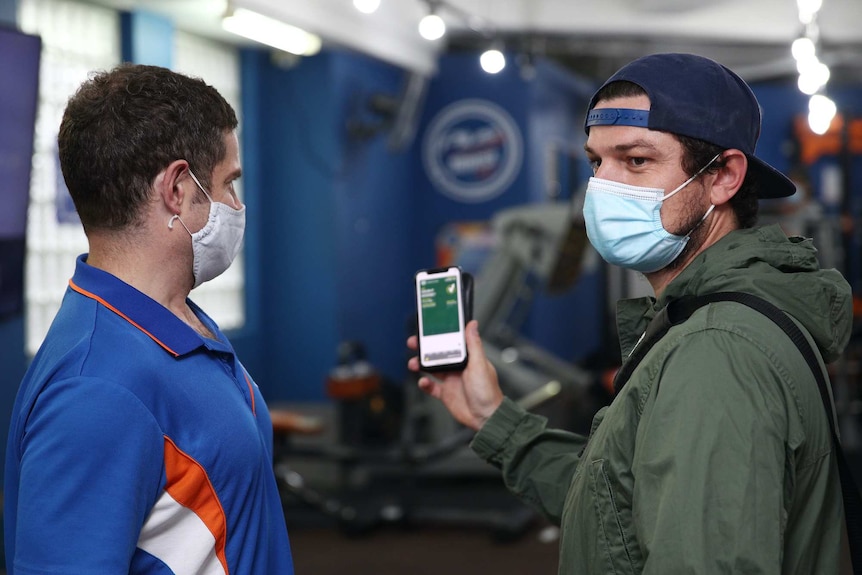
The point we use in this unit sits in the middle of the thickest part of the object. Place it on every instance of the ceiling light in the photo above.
(808, 64)
(367, 6)
(492, 61)
(808, 9)
(808, 84)
(271, 32)
(432, 27)
(809, 5)
(813, 77)
(821, 111)
(802, 48)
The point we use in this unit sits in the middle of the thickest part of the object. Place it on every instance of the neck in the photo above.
(659, 280)
(721, 222)
(144, 265)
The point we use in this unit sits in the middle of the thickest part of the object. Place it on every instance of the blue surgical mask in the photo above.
(624, 224)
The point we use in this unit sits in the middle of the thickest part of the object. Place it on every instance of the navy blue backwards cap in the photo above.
(696, 97)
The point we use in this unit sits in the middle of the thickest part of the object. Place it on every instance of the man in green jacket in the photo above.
(716, 455)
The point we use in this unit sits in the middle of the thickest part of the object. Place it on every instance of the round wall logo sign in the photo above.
(472, 150)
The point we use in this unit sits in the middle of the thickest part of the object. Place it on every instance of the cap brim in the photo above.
(771, 182)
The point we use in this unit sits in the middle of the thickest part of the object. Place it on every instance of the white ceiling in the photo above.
(752, 36)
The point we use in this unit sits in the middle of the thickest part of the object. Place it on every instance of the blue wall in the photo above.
(329, 246)
(338, 224)
(547, 104)
(460, 78)
(376, 215)
(570, 324)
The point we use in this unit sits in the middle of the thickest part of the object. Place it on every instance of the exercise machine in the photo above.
(427, 473)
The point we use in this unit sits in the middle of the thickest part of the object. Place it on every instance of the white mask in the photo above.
(216, 245)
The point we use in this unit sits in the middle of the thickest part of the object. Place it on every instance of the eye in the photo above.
(594, 164)
(638, 161)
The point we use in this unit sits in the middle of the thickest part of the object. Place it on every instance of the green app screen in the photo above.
(439, 305)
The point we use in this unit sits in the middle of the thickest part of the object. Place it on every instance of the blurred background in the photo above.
(379, 137)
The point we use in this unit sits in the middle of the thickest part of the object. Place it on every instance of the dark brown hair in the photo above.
(124, 126)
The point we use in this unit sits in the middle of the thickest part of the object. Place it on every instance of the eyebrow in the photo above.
(639, 143)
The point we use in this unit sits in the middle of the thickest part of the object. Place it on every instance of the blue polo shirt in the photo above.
(138, 446)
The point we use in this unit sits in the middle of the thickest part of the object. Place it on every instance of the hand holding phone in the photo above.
(442, 303)
(472, 395)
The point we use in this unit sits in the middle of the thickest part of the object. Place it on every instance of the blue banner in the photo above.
(19, 70)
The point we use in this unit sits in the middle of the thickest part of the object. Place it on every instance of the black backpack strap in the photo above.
(674, 313)
(678, 311)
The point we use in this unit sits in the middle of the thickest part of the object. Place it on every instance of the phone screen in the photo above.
(441, 318)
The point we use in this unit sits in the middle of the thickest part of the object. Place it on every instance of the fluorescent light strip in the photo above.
(271, 32)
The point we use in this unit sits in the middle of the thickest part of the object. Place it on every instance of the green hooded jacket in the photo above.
(716, 456)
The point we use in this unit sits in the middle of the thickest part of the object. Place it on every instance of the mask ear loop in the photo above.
(177, 217)
(691, 179)
(711, 206)
(199, 185)
(706, 215)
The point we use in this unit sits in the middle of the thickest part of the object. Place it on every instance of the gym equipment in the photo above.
(416, 467)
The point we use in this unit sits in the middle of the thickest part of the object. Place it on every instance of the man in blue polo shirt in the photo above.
(138, 442)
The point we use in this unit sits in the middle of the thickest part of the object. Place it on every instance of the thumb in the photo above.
(474, 341)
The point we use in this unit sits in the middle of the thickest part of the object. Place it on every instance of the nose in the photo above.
(606, 172)
(233, 201)
(599, 173)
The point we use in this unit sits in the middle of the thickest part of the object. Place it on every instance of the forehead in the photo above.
(231, 157)
(610, 137)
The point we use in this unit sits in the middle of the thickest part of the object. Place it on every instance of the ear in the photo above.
(169, 186)
(729, 178)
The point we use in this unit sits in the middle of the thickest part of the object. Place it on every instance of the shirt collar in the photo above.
(155, 320)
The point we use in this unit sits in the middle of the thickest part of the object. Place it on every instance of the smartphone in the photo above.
(440, 300)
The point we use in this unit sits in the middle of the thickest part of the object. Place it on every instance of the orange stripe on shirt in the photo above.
(189, 485)
(121, 314)
(250, 391)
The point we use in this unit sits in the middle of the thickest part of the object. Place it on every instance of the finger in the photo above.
(413, 363)
(429, 387)
(474, 341)
(431, 377)
(413, 342)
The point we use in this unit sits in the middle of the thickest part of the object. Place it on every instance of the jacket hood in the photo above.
(766, 263)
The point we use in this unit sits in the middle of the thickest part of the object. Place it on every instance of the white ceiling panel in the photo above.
(749, 34)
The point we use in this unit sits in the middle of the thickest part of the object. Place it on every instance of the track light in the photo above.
(492, 60)
(813, 77)
(813, 74)
(367, 6)
(802, 48)
(821, 111)
(432, 27)
(271, 32)
(808, 10)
